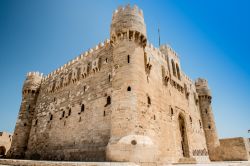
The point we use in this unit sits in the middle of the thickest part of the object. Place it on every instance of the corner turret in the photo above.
(128, 23)
(30, 93)
(208, 121)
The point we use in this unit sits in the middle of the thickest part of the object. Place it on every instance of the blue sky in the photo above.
(212, 39)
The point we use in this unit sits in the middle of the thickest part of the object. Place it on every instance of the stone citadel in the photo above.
(124, 100)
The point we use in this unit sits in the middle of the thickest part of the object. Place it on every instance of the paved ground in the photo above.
(9, 162)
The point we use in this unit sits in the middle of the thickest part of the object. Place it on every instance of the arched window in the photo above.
(173, 67)
(128, 58)
(209, 126)
(178, 72)
(129, 88)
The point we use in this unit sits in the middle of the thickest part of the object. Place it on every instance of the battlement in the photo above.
(34, 74)
(165, 48)
(125, 10)
(78, 58)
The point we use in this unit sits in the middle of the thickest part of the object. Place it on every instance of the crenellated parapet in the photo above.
(81, 57)
(128, 24)
(32, 83)
(166, 49)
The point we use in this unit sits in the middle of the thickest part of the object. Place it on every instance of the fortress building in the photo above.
(123, 100)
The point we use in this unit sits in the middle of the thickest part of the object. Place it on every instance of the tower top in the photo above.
(128, 19)
(202, 87)
(32, 82)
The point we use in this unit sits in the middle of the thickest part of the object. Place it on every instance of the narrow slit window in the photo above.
(128, 59)
(149, 101)
(82, 108)
(109, 77)
(69, 113)
(51, 117)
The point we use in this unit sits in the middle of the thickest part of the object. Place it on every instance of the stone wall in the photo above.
(235, 149)
(72, 120)
(5, 142)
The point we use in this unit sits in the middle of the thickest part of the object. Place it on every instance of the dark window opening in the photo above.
(54, 99)
(104, 113)
(149, 101)
(209, 126)
(51, 117)
(84, 88)
(36, 122)
(128, 59)
(172, 112)
(206, 111)
(25, 124)
(129, 88)
(190, 118)
(154, 117)
(109, 77)
(133, 142)
(69, 113)
(108, 101)
(82, 108)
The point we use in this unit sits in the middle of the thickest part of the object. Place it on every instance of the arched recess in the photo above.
(2, 150)
(173, 67)
(178, 71)
(183, 135)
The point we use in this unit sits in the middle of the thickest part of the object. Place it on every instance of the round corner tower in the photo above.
(128, 23)
(207, 116)
(128, 40)
(30, 93)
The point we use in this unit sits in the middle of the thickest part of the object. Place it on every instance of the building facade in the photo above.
(123, 100)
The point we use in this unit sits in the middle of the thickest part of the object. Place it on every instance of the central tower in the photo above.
(128, 37)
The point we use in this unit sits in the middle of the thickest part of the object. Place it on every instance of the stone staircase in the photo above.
(187, 160)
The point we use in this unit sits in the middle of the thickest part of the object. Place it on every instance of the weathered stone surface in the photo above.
(5, 142)
(235, 149)
(124, 100)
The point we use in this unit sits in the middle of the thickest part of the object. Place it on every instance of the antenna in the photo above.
(159, 37)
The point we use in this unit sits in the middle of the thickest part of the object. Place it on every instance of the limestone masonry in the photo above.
(5, 142)
(123, 100)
